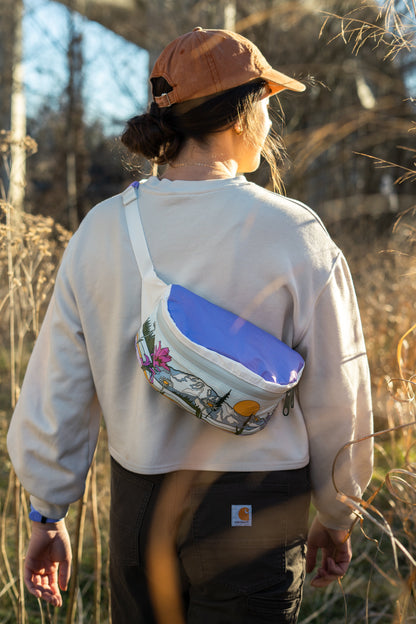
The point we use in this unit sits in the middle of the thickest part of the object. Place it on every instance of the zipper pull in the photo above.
(289, 401)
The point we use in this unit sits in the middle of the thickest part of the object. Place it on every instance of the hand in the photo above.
(335, 545)
(48, 561)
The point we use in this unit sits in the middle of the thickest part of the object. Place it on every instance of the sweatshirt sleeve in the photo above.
(335, 397)
(54, 428)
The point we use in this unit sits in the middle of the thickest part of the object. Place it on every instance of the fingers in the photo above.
(332, 571)
(48, 562)
(311, 554)
(64, 575)
(39, 587)
(337, 568)
(335, 548)
(333, 566)
(322, 579)
(33, 580)
(42, 583)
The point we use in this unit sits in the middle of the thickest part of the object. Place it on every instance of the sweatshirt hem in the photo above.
(208, 466)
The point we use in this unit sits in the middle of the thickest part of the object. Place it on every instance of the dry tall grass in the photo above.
(30, 251)
(380, 585)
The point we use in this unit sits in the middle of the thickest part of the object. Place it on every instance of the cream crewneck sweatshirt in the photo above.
(255, 253)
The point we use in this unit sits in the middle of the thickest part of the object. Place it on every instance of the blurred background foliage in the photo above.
(354, 103)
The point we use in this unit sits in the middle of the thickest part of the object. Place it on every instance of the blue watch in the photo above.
(37, 516)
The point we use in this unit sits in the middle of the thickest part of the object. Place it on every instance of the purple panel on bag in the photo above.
(219, 330)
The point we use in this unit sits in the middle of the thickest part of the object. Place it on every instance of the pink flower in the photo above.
(161, 357)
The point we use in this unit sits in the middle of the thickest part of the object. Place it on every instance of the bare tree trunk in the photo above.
(7, 11)
(18, 117)
(223, 14)
(75, 153)
(230, 12)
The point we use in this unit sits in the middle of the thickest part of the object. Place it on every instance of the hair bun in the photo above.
(143, 135)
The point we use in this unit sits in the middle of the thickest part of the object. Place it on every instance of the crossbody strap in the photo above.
(152, 286)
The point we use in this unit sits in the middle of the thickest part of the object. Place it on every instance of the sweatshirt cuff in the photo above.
(37, 517)
(47, 510)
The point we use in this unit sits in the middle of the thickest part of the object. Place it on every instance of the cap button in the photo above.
(197, 28)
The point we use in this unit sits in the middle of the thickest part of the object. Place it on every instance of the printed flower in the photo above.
(161, 357)
(147, 367)
(146, 362)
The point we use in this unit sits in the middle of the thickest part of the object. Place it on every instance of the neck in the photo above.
(197, 162)
(200, 170)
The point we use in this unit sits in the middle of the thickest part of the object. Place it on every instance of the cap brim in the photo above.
(278, 82)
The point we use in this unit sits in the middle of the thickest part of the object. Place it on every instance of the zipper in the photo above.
(289, 401)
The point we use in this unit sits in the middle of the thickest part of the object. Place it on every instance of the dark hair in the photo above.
(160, 133)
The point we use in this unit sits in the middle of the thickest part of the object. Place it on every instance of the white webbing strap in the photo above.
(152, 286)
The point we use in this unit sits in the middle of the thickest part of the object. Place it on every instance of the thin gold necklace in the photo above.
(193, 164)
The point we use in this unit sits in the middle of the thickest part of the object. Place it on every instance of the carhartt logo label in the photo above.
(241, 515)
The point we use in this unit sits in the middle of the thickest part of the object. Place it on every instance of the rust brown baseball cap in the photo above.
(205, 62)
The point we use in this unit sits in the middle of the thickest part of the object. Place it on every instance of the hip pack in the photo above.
(212, 363)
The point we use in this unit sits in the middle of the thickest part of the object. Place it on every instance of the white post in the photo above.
(18, 118)
(230, 12)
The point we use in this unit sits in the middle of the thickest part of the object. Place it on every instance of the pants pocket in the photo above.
(281, 602)
(241, 526)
